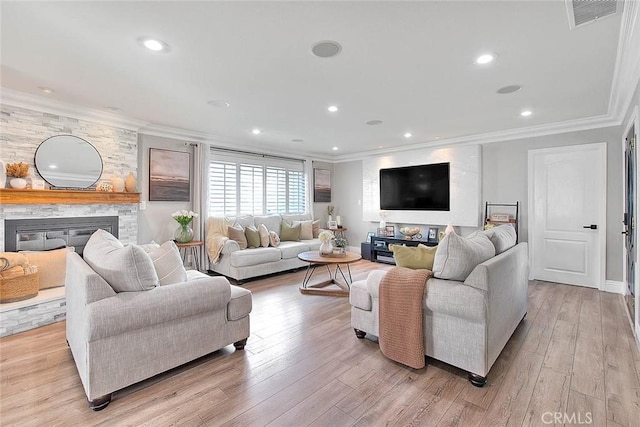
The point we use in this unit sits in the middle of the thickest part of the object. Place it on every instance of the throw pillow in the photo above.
(125, 268)
(306, 229)
(289, 232)
(416, 257)
(253, 237)
(237, 233)
(149, 246)
(503, 237)
(456, 256)
(52, 265)
(263, 231)
(315, 228)
(168, 263)
(274, 239)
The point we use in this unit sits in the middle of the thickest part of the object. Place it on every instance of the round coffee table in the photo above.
(315, 259)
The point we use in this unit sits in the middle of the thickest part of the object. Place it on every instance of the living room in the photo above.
(481, 134)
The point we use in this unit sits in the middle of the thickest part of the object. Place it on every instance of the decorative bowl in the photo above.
(410, 233)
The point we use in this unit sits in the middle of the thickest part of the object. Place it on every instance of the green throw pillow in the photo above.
(416, 257)
(253, 237)
(289, 232)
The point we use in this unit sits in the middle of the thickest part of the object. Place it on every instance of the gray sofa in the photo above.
(241, 264)
(120, 338)
(467, 322)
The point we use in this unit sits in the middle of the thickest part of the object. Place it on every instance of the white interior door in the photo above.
(567, 214)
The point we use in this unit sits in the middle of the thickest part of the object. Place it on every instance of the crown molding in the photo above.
(51, 106)
(221, 142)
(626, 74)
(576, 125)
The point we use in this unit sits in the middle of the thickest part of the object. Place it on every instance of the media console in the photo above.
(380, 251)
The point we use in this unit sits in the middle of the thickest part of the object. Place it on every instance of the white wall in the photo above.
(155, 222)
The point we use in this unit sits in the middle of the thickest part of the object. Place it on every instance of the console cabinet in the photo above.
(380, 251)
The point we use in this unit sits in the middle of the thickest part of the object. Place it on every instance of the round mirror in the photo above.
(68, 161)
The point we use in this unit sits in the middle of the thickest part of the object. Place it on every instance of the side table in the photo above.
(191, 248)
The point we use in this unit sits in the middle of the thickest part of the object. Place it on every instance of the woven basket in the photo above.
(19, 288)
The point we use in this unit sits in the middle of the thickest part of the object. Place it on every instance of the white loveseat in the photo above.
(467, 321)
(241, 264)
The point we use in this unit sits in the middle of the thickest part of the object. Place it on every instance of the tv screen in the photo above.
(419, 188)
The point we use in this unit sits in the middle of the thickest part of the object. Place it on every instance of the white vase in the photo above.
(326, 248)
(18, 183)
(382, 224)
(118, 184)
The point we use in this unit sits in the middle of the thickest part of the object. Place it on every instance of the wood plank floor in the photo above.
(573, 355)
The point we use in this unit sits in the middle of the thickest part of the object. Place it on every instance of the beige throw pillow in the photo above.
(237, 233)
(125, 268)
(456, 256)
(52, 265)
(263, 231)
(306, 229)
(168, 264)
(315, 228)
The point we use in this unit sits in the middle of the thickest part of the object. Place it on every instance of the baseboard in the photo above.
(355, 249)
(614, 287)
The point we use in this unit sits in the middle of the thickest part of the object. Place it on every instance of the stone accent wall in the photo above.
(22, 130)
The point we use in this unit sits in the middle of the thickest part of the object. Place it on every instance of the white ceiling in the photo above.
(409, 64)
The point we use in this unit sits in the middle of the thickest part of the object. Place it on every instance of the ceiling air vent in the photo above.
(585, 11)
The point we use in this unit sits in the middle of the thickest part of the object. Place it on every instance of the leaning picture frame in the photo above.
(432, 234)
(333, 225)
(382, 232)
(391, 231)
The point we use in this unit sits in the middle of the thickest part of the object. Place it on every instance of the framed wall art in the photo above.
(169, 175)
(321, 185)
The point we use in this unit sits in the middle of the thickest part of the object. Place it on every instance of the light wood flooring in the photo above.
(573, 354)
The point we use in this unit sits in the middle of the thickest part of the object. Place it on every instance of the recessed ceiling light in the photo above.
(45, 90)
(509, 89)
(485, 59)
(256, 131)
(297, 140)
(326, 49)
(437, 137)
(379, 146)
(220, 103)
(335, 148)
(332, 108)
(408, 135)
(374, 122)
(153, 44)
(526, 113)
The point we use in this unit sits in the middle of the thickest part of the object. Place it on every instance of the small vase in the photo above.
(131, 183)
(184, 234)
(383, 223)
(326, 248)
(18, 183)
(118, 184)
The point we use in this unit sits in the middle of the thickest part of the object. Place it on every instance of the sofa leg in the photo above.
(239, 345)
(99, 403)
(477, 380)
(360, 334)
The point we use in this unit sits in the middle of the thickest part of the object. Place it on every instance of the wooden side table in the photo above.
(339, 232)
(191, 248)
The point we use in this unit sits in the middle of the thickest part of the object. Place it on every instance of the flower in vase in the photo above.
(184, 217)
(326, 236)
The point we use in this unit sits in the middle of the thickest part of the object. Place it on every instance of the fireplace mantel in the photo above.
(26, 197)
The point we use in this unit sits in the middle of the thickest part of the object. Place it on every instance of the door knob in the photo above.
(592, 226)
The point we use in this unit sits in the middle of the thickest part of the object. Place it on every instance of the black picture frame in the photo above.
(169, 175)
(390, 230)
(322, 185)
(432, 234)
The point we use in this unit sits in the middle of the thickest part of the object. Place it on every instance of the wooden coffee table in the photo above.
(315, 259)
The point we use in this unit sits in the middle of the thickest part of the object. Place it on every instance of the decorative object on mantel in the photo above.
(60, 169)
(104, 186)
(18, 172)
(3, 174)
(117, 184)
(184, 234)
(37, 184)
(326, 237)
(131, 183)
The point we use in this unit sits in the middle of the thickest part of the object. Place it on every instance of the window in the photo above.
(245, 184)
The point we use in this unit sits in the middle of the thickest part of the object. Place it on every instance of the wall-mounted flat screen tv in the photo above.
(418, 188)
